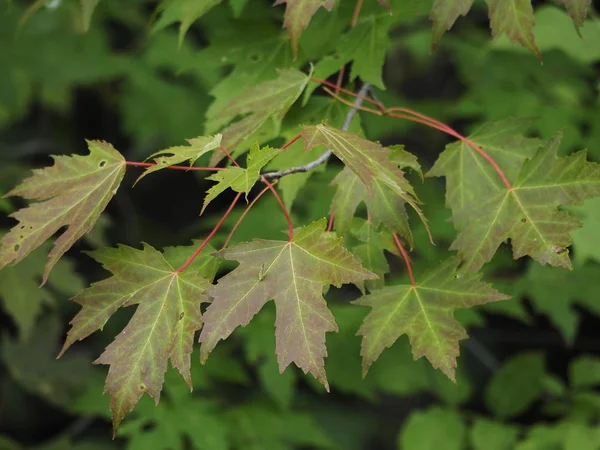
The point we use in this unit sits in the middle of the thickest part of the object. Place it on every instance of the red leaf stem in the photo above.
(143, 164)
(239, 221)
(291, 141)
(283, 208)
(212, 233)
(406, 259)
(330, 223)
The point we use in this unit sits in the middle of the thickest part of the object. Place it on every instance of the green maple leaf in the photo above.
(578, 10)
(20, 287)
(424, 312)
(370, 251)
(444, 13)
(514, 18)
(184, 11)
(585, 239)
(238, 179)
(374, 168)
(263, 104)
(366, 46)
(293, 274)
(75, 192)
(198, 146)
(555, 292)
(161, 328)
(385, 206)
(486, 213)
(298, 14)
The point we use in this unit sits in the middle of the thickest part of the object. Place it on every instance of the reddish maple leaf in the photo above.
(293, 274)
(162, 327)
(75, 190)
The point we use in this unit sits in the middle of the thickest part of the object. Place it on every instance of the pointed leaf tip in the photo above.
(298, 14)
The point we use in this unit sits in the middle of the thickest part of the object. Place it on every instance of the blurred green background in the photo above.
(527, 378)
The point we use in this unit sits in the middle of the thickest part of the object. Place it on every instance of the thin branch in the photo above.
(358, 101)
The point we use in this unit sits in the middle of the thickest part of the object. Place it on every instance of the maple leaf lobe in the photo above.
(298, 14)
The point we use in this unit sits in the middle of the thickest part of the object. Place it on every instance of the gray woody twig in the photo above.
(321, 159)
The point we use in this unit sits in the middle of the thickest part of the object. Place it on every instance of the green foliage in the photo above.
(243, 77)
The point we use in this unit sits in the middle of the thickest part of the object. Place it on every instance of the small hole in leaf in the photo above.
(255, 58)
(22, 227)
(523, 220)
(142, 387)
(181, 316)
(31, 227)
(17, 247)
(21, 237)
(163, 162)
(102, 163)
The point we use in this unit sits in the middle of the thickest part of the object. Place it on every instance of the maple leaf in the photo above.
(238, 179)
(266, 101)
(293, 274)
(444, 13)
(384, 205)
(577, 9)
(184, 11)
(161, 328)
(370, 251)
(198, 146)
(298, 14)
(424, 312)
(527, 213)
(75, 190)
(514, 18)
(371, 164)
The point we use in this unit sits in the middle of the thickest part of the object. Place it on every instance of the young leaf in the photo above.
(369, 161)
(265, 101)
(486, 213)
(424, 312)
(383, 204)
(293, 275)
(184, 11)
(238, 179)
(515, 18)
(298, 14)
(198, 146)
(444, 13)
(577, 9)
(162, 327)
(76, 190)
